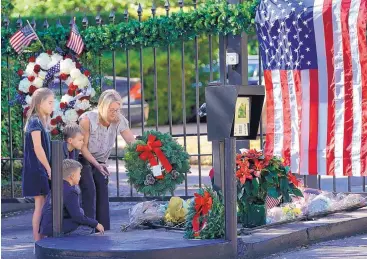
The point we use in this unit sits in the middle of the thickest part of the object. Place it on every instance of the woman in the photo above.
(100, 130)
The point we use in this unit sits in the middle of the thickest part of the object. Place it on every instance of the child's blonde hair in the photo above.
(71, 130)
(106, 98)
(69, 166)
(38, 97)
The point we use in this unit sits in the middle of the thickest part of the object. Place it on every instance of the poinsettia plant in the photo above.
(259, 176)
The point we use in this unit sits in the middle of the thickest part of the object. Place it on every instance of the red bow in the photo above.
(153, 147)
(202, 206)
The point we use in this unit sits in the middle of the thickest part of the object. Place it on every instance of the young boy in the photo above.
(73, 141)
(75, 223)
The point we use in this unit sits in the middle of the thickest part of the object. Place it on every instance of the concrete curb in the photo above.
(265, 242)
(7, 208)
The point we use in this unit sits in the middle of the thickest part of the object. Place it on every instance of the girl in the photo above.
(100, 130)
(37, 153)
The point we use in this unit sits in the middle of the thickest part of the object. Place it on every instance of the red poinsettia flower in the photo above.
(31, 78)
(20, 72)
(58, 118)
(25, 112)
(55, 132)
(32, 89)
(32, 59)
(244, 174)
(86, 73)
(49, 52)
(78, 65)
(64, 76)
(53, 122)
(63, 105)
(80, 112)
(293, 179)
(36, 68)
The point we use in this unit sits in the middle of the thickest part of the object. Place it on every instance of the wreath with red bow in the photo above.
(156, 163)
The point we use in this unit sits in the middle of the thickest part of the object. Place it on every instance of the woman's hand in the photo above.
(100, 228)
(103, 169)
(48, 170)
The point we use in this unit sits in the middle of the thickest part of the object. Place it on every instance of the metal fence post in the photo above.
(57, 187)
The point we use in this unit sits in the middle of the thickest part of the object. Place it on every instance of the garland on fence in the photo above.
(156, 164)
(212, 17)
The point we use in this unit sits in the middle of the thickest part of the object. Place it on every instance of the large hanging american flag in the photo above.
(75, 41)
(22, 38)
(314, 55)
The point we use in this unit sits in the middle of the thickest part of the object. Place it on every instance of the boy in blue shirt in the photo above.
(73, 141)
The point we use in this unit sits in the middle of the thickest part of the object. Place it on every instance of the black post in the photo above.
(57, 187)
(230, 199)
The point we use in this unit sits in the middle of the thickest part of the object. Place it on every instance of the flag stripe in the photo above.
(362, 46)
(299, 94)
(305, 85)
(314, 122)
(269, 143)
(287, 131)
(348, 89)
(75, 41)
(323, 90)
(278, 114)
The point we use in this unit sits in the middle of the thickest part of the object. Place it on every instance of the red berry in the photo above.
(63, 105)
(37, 68)
(32, 89)
(64, 76)
(20, 72)
(31, 78)
(86, 73)
(32, 59)
(71, 92)
(49, 52)
(53, 122)
(59, 118)
(55, 132)
(73, 87)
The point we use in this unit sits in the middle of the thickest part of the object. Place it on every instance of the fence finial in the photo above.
(112, 16)
(19, 22)
(154, 9)
(181, 3)
(85, 21)
(71, 21)
(6, 22)
(58, 23)
(194, 2)
(140, 11)
(98, 19)
(167, 5)
(45, 24)
(33, 23)
(126, 15)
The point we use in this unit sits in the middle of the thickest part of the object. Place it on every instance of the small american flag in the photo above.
(75, 41)
(314, 55)
(22, 38)
(50, 74)
(271, 202)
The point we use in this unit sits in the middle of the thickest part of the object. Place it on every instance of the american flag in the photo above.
(75, 41)
(314, 55)
(22, 38)
(271, 202)
(50, 74)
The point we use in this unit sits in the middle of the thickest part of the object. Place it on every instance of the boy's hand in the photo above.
(103, 169)
(100, 228)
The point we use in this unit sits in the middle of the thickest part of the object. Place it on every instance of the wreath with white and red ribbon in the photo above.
(50, 68)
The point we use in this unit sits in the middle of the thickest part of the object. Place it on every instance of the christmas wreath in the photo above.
(49, 69)
(156, 163)
(205, 218)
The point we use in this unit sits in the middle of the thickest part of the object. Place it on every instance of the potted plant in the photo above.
(259, 176)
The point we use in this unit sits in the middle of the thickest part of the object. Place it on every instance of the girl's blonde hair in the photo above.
(106, 98)
(38, 97)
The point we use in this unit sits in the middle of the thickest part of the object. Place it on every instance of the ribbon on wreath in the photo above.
(152, 149)
(203, 204)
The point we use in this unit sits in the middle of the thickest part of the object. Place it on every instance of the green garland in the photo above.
(140, 175)
(212, 17)
(214, 220)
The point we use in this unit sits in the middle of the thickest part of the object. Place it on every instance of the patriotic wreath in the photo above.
(49, 69)
(156, 163)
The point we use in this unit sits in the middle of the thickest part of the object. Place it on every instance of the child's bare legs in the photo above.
(39, 201)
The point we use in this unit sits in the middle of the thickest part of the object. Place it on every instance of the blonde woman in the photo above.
(37, 153)
(100, 130)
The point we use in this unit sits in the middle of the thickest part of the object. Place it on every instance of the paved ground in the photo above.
(348, 248)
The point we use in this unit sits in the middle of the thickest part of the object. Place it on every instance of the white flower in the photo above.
(68, 81)
(28, 99)
(92, 92)
(55, 58)
(43, 60)
(66, 98)
(42, 74)
(75, 73)
(38, 82)
(24, 85)
(82, 105)
(70, 116)
(82, 81)
(29, 70)
(66, 66)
